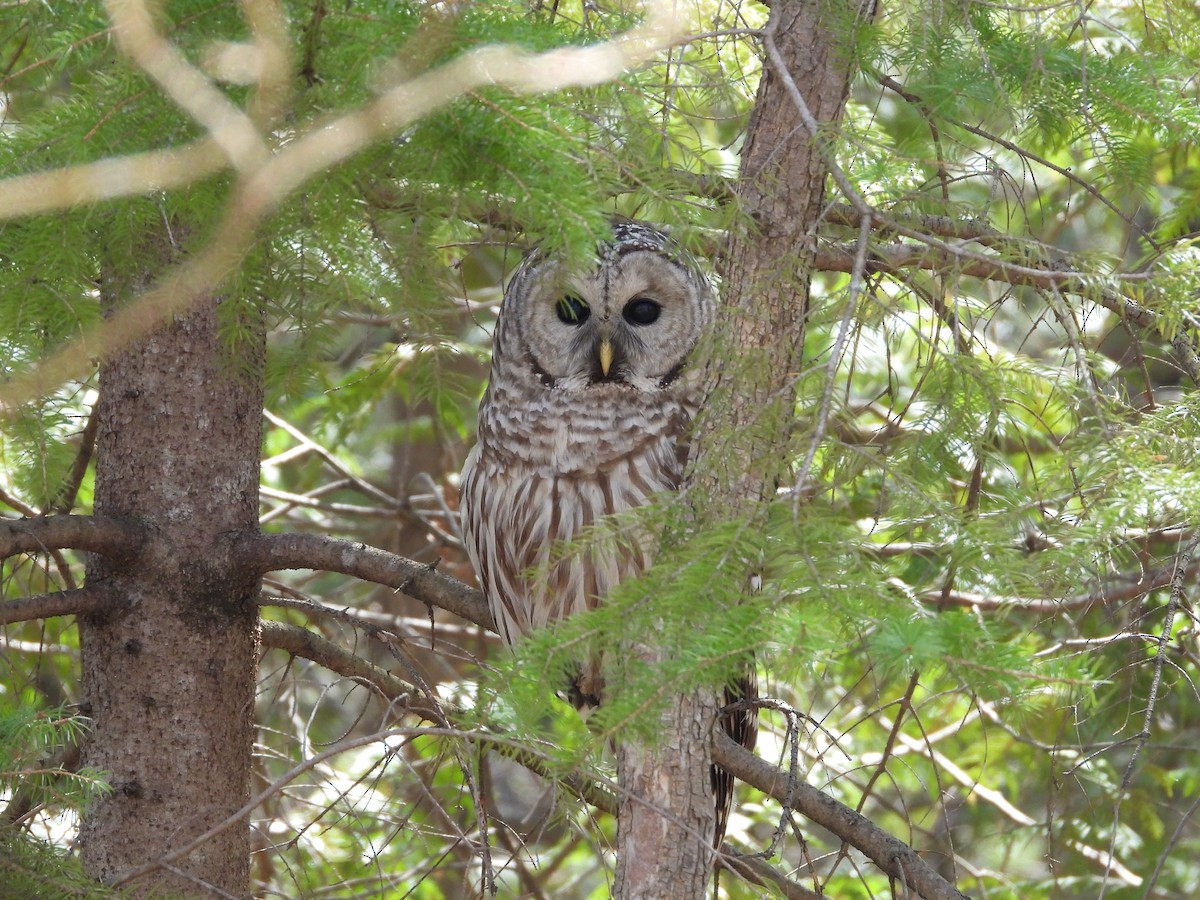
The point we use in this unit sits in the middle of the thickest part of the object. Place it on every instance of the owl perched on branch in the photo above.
(585, 415)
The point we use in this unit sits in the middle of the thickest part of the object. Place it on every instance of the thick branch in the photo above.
(892, 855)
(270, 552)
(61, 603)
(119, 539)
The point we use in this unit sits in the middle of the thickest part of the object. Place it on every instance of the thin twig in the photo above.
(831, 367)
(1175, 599)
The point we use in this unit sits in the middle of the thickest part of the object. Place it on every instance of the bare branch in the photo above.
(333, 656)
(900, 90)
(758, 871)
(892, 855)
(271, 552)
(1178, 579)
(306, 644)
(116, 538)
(940, 257)
(75, 602)
(1118, 589)
(64, 500)
(944, 226)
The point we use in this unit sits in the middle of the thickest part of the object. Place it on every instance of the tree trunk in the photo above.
(743, 438)
(665, 813)
(169, 673)
(742, 442)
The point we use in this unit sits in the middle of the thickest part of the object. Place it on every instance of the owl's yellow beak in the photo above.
(606, 356)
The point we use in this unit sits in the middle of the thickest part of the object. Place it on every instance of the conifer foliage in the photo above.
(952, 439)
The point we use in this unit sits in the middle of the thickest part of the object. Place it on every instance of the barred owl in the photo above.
(585, 415)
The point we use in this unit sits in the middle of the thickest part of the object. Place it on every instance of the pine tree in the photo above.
(951, 437)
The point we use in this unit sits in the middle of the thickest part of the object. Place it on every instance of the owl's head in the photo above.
(631, 320)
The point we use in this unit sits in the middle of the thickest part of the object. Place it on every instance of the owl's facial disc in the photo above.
(630, 322)
(596, 342)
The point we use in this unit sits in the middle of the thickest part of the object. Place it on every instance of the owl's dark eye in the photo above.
(572, 310)
(641, 311)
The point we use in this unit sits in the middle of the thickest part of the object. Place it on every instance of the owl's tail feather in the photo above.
(742, 726)
(587, 688)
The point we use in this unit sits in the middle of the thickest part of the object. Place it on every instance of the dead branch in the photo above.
(270, 552)
(306, 644)
(74, 602)
(120, 539)
(891, 854)
(937, 257)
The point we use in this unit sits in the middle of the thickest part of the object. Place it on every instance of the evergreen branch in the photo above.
(940, 257)
(117, 538)
(228, 125)
(73, 602)
(264, 189)
(270, 552)
(64, 761)
(160, 170)
(889, 853)
(895, 86)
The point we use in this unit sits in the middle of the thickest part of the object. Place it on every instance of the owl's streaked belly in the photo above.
(531, 565)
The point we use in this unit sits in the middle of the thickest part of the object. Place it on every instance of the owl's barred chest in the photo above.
(557, 436)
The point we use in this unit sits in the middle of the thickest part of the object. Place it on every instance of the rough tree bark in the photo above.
(665, 813)
(169, 669)
(741, 442)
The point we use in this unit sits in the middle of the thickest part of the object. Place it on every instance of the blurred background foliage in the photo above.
(979, 597)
